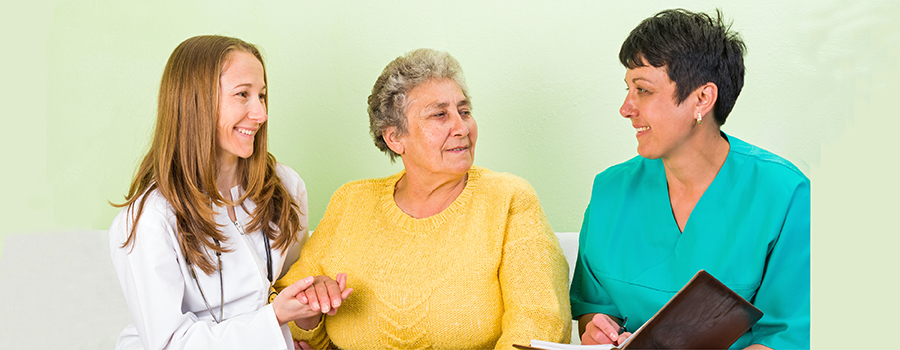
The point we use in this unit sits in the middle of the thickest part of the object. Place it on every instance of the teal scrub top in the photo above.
(750, 230)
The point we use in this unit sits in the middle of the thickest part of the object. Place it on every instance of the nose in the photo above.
(627, 110)
(257, 112)
(459, 127)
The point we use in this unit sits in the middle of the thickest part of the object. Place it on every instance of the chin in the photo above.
(462, 169)
(647, 154)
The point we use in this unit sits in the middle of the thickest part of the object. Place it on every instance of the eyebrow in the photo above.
(635, 80)
(248, 85)
(442, 105)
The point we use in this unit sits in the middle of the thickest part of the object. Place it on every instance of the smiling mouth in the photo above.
(245, 131)
(642, 129)
(458, 149)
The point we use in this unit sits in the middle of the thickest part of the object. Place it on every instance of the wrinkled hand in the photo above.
(603, 330)
(323, 296)
(326, 294)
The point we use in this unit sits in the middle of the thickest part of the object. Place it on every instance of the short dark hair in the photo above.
(695, 49)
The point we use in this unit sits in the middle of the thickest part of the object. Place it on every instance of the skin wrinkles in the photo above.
(437, 150)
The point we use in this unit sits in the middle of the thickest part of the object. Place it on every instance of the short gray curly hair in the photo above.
(388, 102)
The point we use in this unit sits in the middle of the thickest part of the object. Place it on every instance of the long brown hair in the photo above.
(181, 162)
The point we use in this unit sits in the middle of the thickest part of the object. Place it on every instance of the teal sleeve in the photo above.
(586, 294)
(783, 294)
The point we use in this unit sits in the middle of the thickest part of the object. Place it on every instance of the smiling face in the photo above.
(663, 127)
(242, 106)
(441, 132)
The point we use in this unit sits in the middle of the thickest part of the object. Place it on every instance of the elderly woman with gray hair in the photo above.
(442, 255)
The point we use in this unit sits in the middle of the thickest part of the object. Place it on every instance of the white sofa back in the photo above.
(59, 290)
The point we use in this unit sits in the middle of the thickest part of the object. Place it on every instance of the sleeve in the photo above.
(309, 265)
(587, 295)
(152, 278)
(533, 277)
(783, 294)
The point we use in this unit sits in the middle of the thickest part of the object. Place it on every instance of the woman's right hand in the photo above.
(602, 329)
(288, 307)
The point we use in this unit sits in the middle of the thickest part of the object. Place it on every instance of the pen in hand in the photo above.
(622, 327)
(621, 330)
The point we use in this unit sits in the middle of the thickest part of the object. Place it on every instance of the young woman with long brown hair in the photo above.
(211, 219)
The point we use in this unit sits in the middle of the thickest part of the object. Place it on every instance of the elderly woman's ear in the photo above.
(392, 139)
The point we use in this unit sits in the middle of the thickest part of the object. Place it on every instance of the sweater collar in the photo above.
(424, 225)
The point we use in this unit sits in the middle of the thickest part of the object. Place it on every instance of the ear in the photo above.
(707, 95)
(392, 139)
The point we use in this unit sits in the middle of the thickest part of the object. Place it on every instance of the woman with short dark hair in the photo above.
(695, 198)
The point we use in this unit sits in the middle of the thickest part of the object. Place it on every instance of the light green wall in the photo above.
(80, 80)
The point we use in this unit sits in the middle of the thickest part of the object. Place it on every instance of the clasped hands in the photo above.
(306, 300)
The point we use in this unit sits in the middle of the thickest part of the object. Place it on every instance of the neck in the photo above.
(226, 176)
(695, 168)
(421, 196)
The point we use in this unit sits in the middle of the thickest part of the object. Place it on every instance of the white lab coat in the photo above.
(164, 301)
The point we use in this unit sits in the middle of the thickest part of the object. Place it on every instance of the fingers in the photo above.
(593, 336)
(587, 337)
(284, 306)
(342, 284)
(341, 280)
(623, 338)
(607, 326)
(335, 289)
(590, 335)
(322, 293)
(312, 298)
(602, 330)
(301, 345)
(298, 286)
(342, 293)
(321, 289)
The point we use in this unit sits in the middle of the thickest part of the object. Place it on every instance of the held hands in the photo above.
(326, 294)
(306, 300)
(603, 330)
(287, 306)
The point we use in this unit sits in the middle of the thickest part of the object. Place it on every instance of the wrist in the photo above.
(278, 318)
(309, 322)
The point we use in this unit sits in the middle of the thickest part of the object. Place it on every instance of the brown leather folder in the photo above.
(704, 314)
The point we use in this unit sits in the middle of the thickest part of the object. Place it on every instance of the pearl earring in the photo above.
(699, 118)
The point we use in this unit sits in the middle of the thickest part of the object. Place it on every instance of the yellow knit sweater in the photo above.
(486, 272)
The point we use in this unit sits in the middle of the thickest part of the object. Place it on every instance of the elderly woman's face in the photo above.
(441, 131)
(662, 125)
